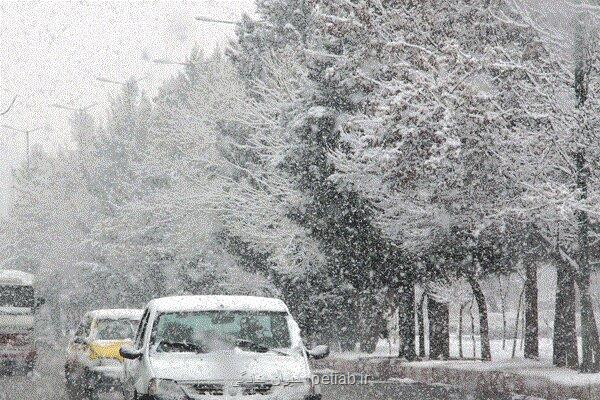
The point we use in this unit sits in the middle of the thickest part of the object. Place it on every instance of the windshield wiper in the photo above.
(183, 346)
(259, 348)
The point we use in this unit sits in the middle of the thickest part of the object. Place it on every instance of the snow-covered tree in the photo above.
(320, 214)
(443, 93)
(561, 193)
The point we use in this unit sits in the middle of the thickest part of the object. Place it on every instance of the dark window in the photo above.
(16, 296)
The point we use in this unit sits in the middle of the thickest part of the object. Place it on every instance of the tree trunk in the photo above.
(503, 328)
(473, 341)
(590, 343)
(518, 318)
(531, 311)
(370, 322)
(439, 329)
(522, 347)
(370, 337)
(503, 298)
(460, 329)
(406, 321)
(420, 317)
(565, 352)
(483, 319)
(347, 344)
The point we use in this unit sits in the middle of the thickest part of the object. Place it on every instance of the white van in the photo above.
(199, 347)
(18, 306)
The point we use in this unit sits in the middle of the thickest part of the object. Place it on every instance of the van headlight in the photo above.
(312, 388)
(166, 389)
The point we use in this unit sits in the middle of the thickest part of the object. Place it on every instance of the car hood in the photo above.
(231, 365)
(108, 349)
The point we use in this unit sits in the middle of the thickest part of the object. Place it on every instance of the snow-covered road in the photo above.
(47, 384)
(402, 391)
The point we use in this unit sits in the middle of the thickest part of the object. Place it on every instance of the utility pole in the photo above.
(27, 132)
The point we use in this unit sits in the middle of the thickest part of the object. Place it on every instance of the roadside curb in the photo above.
(472, 379)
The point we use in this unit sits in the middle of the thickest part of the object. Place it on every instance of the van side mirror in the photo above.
(318, 352)
(39, 301)
(130, 354)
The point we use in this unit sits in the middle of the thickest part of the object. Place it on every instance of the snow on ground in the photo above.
(502, 360)
(499, 352)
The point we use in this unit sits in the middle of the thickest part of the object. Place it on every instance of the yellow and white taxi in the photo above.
(93, 363)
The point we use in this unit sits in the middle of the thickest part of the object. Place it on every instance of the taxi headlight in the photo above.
(305, 385)
(107, 362)
(166, 389)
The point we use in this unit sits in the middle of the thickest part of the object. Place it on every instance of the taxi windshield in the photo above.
(116, 329)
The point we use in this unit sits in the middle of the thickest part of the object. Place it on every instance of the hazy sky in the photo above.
(53, 51)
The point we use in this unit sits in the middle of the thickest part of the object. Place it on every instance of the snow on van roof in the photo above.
(117, 313)
(14, 277)
(210, 303)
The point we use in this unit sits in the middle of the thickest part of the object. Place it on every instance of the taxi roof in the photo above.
(116, 313)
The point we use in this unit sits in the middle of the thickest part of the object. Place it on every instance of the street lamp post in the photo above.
(165, 61)
(9, 106)
(75, 109)
(214, 20)
(26, 132)
(79, 111)
(122, 83)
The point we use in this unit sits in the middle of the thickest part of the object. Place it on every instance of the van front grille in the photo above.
(13, 339)
(256, 388)
(213, 389)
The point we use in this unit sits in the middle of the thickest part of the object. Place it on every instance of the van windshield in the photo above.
(16, 296)
(205, 331)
